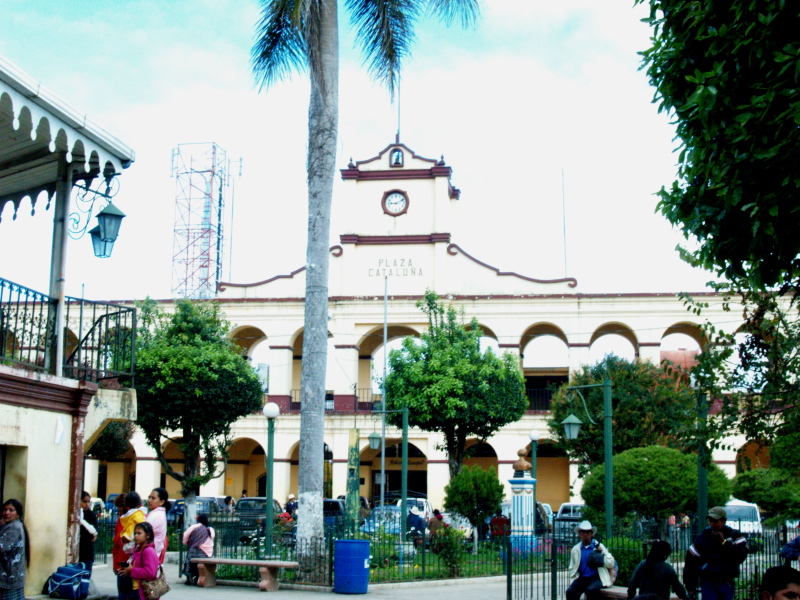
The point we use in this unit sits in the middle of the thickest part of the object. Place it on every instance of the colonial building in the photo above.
(52, 401)
(395, 229)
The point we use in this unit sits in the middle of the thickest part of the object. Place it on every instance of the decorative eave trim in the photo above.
(223, 285)
(454, 249)
(39, 394)
(432, 173)
(433, 238)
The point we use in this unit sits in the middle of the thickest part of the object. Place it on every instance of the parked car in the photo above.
(203, 504)
(545, 508)
(456, 521)
(421, 503)
(745, 517)
(384, 519)
(110, 506)
(252, 514)
(569, 515)
(98, 507)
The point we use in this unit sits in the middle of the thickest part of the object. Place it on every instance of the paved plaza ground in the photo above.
(461, 589)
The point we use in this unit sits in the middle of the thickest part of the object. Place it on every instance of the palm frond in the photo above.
(385, 33)
(280, 46)
(448, 11)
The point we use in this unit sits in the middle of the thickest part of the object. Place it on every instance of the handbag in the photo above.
(596, 559)
(155, 588)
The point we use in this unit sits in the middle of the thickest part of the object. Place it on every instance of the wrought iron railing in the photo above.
(539, 399)
(296, 400)
(106, 341)
(99, 340)
(27, 332)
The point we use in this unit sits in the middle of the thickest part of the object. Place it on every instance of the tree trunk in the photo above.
(323, 117)
(191, 467)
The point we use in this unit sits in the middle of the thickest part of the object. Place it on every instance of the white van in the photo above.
(744, 516)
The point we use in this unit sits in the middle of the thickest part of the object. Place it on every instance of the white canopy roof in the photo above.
(36, 127)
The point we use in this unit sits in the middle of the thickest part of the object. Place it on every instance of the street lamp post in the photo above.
(376, 442)
(271, 412)
(572, 425)
(534, 437)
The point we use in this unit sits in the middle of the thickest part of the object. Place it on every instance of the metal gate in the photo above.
(537, 566)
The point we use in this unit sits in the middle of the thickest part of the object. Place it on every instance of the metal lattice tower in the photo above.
(200, 172)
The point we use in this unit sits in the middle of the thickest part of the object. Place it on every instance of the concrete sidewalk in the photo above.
(459, 589)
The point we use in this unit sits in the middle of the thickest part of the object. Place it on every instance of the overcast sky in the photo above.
(537, 89)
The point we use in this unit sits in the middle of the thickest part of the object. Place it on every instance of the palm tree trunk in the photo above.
(323, 122)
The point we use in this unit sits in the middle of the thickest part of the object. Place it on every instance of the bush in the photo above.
(628, 553)
(450, 549)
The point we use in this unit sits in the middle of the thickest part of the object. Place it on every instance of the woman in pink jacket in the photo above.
(144, 563)
(158, 503)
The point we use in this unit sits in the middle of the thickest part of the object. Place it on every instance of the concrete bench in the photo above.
(207, 569)
(617, 592)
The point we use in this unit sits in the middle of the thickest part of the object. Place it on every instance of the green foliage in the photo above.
(728, 72)
(650, 407)
(190, 379)
(113, 441)
(628, 553)
(450, 550)
(450, 385)
(474, 493)
(653, 482)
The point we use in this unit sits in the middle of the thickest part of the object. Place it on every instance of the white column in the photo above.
(343, 374)
(91, 471)
(650, 351)
(148, 475)
(280, 370)
(578, 356)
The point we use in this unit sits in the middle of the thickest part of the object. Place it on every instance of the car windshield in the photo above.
(251, 504)
(741, 513)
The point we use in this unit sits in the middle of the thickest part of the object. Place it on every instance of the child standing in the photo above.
(144, 561)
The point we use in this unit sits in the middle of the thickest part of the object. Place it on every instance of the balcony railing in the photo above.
(99, 338)
(296, 403)
(539, 399)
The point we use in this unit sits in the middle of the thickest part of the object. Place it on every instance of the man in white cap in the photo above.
(714, 558)
(291, 505)
(589, 564)
(416, 525)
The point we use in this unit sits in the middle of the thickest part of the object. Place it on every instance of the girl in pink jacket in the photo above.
(144, 562)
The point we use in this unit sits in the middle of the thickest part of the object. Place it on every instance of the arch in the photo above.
(486, 331)
(118, 475)
(753, 455)
(552, 471)
(481, 454)
(689, 329)
(540, 329)
(246, 464)
(615, 335)
(247, 337)
(373, 339)
(327, 469)
(371, 470)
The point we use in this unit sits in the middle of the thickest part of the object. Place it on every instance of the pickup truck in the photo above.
(568, 517)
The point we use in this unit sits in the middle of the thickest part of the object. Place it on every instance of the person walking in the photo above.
(88, 533)
(655, 575)
(713, 559)
(15, 551)
(158, 504)
(199, 539)
(589, 564)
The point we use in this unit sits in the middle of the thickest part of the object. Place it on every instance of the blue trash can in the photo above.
(351, 566)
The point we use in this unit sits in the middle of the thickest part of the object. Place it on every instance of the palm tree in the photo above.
(304, 34)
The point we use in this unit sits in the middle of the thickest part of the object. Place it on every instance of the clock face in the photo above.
(395, 203)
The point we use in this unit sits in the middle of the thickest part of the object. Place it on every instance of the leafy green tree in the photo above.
(451, 385)
(475, 494)
(727, 73)
(650, 407)
(295, 34)
(776, 489)
(112, 441)
(652, 482)
(192, 383)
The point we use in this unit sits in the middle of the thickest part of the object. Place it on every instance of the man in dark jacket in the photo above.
(714, 558)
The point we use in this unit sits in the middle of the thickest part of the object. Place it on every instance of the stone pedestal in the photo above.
(523, 540)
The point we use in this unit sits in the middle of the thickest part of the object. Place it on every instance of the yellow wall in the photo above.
(552, 476)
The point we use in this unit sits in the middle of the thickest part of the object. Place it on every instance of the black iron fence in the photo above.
(538, 566)
(99, 340)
